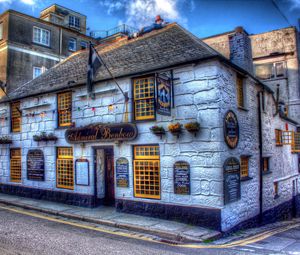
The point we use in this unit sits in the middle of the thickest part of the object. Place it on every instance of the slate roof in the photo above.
(169, 46)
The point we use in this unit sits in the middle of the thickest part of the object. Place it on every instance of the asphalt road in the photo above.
(24, 234)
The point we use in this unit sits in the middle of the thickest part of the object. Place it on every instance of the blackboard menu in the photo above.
(232, 184)
(82, 172)
(231, 129)
(122, 172)
(182, 183)
(35, 165)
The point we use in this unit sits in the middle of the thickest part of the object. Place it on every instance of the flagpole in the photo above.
(110, 73)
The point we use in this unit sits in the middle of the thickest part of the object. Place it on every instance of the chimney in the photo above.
(240, 49)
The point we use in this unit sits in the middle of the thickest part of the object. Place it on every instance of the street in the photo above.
(24, 232)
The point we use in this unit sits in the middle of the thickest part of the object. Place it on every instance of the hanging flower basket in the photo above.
(175, 129)
(43, 137)
(158, 130)
(5, 140)
(192, 127)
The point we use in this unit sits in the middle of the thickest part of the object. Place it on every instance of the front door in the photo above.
(109, 177)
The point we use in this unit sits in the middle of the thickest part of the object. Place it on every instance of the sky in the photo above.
(202, 17)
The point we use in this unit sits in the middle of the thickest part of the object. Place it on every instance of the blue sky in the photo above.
(201, 17)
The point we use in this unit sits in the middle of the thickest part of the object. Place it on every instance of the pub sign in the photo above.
(163, 85)
(232, 182)
(231, 129)
(35, 165)
(182, 184)
(102, 133)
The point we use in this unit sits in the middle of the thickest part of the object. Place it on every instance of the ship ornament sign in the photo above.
(102, 133)
(231, 129)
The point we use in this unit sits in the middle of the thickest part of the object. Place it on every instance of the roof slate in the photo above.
(168, 46)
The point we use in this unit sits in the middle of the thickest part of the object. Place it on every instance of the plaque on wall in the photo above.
(231, 129)
(182, 183)
(122, 172)
(35, 165)
(102, 133)
(163, 86)
(82, 172)
(232, 184)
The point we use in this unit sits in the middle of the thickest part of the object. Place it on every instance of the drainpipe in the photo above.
(60, 43)
(259, 94)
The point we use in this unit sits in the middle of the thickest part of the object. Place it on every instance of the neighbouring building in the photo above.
(204, 142)
(29, 46)
(276, 58)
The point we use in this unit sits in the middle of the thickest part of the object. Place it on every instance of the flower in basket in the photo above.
(52, 137)
(192, 126)
(5, 140)
(158, 129)
(175, 128)
(44, 136)
(37, 138)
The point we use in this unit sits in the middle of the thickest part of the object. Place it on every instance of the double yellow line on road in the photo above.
(242, 242)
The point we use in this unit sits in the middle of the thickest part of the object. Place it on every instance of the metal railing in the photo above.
(123, 29)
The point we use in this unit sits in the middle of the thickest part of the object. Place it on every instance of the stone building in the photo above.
(276, 58)
(231, 164)
(29, 46)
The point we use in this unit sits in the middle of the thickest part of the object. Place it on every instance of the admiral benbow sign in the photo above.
(102, 133)
(231, 129)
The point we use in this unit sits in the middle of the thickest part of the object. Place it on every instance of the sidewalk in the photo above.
(107, 216)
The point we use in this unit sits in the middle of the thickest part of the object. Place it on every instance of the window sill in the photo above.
(243, 108)
(40, 44)
(266, 172)
(247, 178)
(64, 127)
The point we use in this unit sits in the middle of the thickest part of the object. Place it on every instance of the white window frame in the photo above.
(1, 30)
(41, 31)
(74, 44)
(73, 23)
(274, 71)
(83, 42)
(42, 70)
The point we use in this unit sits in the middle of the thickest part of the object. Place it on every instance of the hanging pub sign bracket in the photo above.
(102, 133)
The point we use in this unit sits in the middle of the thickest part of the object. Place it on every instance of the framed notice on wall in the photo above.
(82, 172)
(232, 183)
(182, 184)
(122, 172)
(35, 165)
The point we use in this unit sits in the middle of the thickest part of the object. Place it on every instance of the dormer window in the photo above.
(74, 22)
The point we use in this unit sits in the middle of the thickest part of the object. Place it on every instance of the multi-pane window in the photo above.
(144, 98)
(278, 137)
(147, 171)
(296, 142)
(16, 117)
(41, 36)
(74, 22)
(37, 71)
(266, 167)
(240, 90)
(64, 109)
(64, 168)
(72, 44)
(270, 70)
(83, 45)
(1, 31)
(15, 165)
(244, 166)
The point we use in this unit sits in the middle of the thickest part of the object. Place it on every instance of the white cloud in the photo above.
(29, 2)
(295, 4)
(6, 1)
(140, 13)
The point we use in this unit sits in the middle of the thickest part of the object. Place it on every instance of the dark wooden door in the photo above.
(109, 178)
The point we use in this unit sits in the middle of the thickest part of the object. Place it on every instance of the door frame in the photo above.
(95, 148)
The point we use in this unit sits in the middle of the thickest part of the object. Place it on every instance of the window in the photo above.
(64, 168)
(244, 166)
(72, 44)
(16, 117)
(266, 167)
(240, 90)
(64, 109)
(276, 190)
(146, 171)
(296, 142)
(1, 31)
(74, 22)
(270, 70)
(41, 36)
(15, 165)
(144, 98)
(83, 45)
(278, 137)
